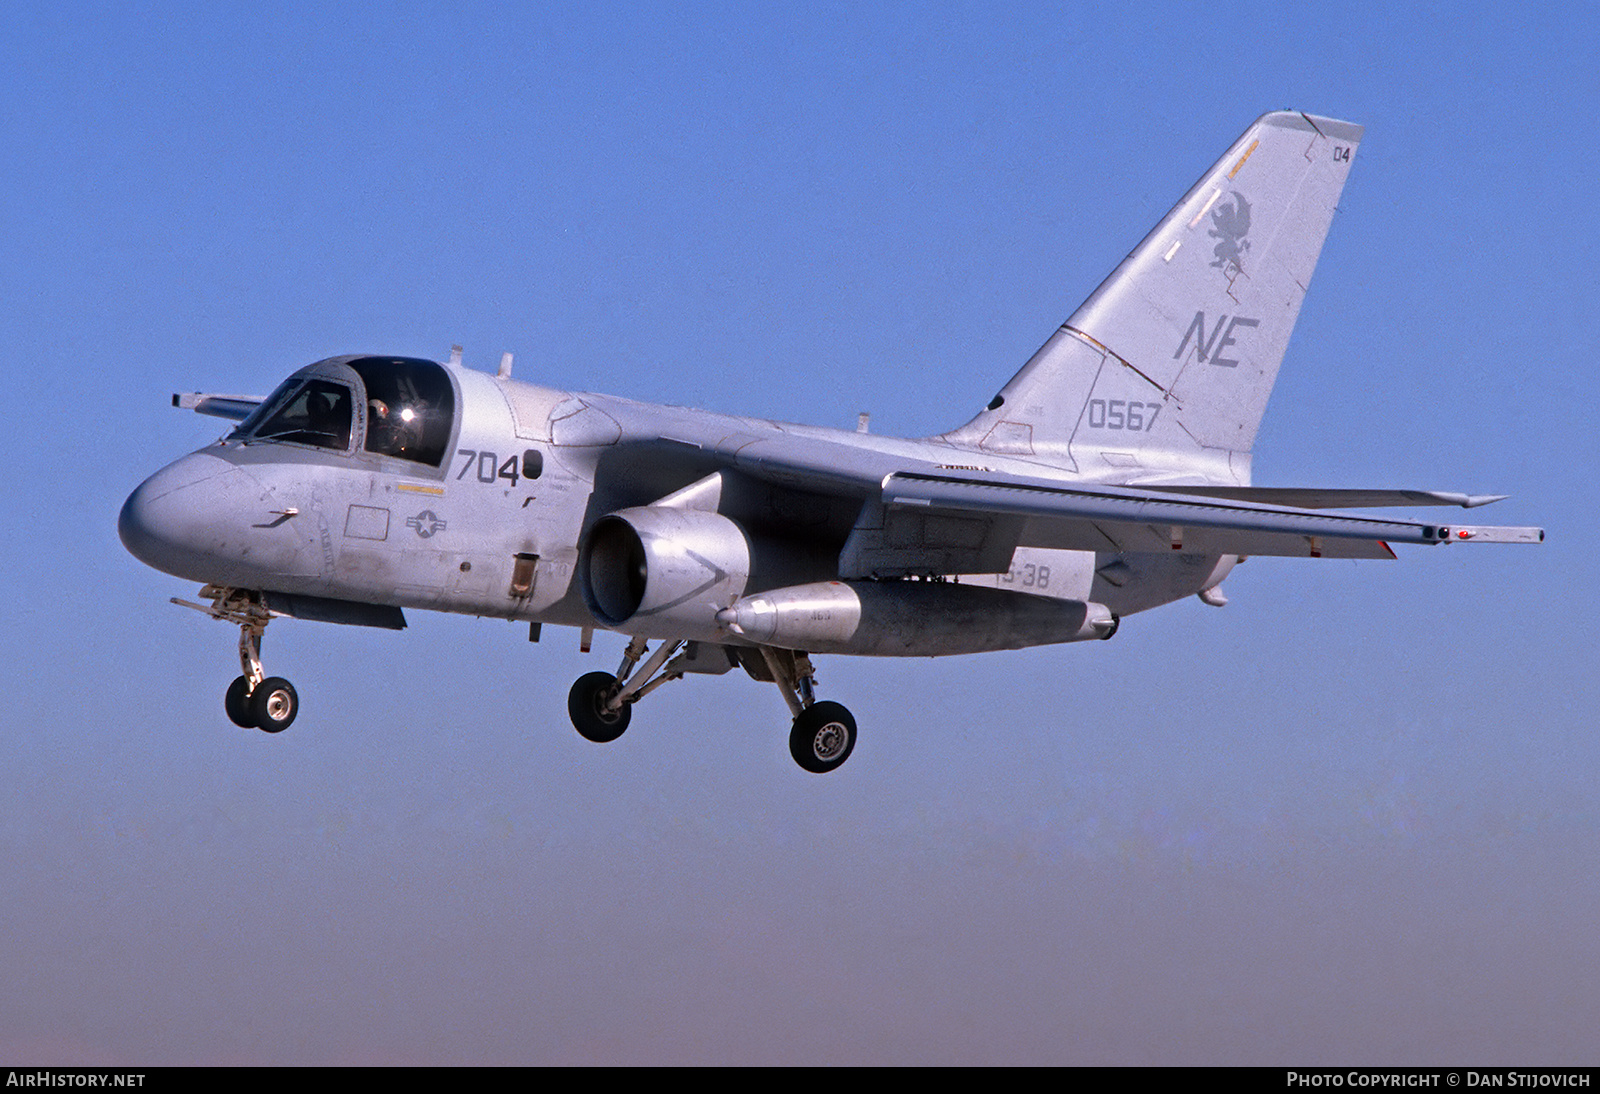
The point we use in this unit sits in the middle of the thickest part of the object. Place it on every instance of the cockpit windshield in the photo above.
(318, 414)
(407, 413)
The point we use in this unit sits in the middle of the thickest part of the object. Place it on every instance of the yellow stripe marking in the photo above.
(416, 488)
(1242, 158)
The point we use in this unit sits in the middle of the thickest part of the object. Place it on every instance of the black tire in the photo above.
(274, 704)
(586, 705)
(823, 737)
(237, 703)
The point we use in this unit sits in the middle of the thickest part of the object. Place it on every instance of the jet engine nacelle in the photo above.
(910, 618)
(668, 570)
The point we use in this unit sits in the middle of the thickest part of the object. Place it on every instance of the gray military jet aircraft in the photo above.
(1111, 475)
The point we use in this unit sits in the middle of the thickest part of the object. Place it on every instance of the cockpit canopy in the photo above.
(407, 409)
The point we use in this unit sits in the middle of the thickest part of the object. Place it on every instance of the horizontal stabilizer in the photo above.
(235, 407)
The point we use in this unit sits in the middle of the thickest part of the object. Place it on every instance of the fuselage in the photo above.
(483, 506)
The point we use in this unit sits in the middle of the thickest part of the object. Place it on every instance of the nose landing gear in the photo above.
(254, 700)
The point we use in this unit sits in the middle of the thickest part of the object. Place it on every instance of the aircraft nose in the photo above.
(173, 521)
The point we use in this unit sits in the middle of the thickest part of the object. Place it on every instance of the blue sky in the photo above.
(1350, 817)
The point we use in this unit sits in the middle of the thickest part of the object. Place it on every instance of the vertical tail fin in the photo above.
(1166, 369)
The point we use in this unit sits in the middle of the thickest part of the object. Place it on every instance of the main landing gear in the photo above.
(254, 700)
(821, 738)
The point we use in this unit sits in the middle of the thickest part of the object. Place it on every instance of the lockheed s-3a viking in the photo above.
(1111, 475)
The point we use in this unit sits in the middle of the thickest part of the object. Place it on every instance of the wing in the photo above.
(1126, 519)
(927, 517)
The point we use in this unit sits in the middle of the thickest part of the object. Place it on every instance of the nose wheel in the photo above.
(273, 704)
(270, 706)
(254, 700)
(237, 703)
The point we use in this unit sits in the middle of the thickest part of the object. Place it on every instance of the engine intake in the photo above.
(675, 567)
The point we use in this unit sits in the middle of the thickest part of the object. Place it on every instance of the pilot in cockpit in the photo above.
(324, 423)
(378, 432)
(390, 432)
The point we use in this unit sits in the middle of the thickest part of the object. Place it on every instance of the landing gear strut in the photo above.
(601, 704)
(254, 700)
(823, 734)
(821, 737)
